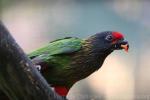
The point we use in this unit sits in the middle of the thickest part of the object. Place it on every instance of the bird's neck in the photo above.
(94, 50)
(97, 58)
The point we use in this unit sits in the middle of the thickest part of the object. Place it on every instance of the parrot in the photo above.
(63, 62)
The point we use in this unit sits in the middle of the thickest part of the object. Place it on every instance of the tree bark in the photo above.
(19, 79)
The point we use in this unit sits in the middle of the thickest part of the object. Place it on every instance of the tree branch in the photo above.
(19, 80)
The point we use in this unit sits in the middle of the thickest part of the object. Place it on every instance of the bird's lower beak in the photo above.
(125, 47)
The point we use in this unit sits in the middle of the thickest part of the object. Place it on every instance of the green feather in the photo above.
(61, 46)
(56, 55)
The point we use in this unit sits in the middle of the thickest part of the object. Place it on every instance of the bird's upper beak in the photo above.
(121, 45)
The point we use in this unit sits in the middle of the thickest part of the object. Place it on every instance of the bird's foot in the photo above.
(38, 67)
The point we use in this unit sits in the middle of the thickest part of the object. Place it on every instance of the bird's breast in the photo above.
(85, 62)
(84, 65)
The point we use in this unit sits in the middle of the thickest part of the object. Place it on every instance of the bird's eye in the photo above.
(109, 38)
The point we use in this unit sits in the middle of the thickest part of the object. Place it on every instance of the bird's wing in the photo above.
(60, 46)
(52, 53)
(55, 58)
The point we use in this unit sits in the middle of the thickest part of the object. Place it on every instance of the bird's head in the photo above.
(110, 41)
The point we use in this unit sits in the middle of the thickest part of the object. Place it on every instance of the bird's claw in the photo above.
(38, 67)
